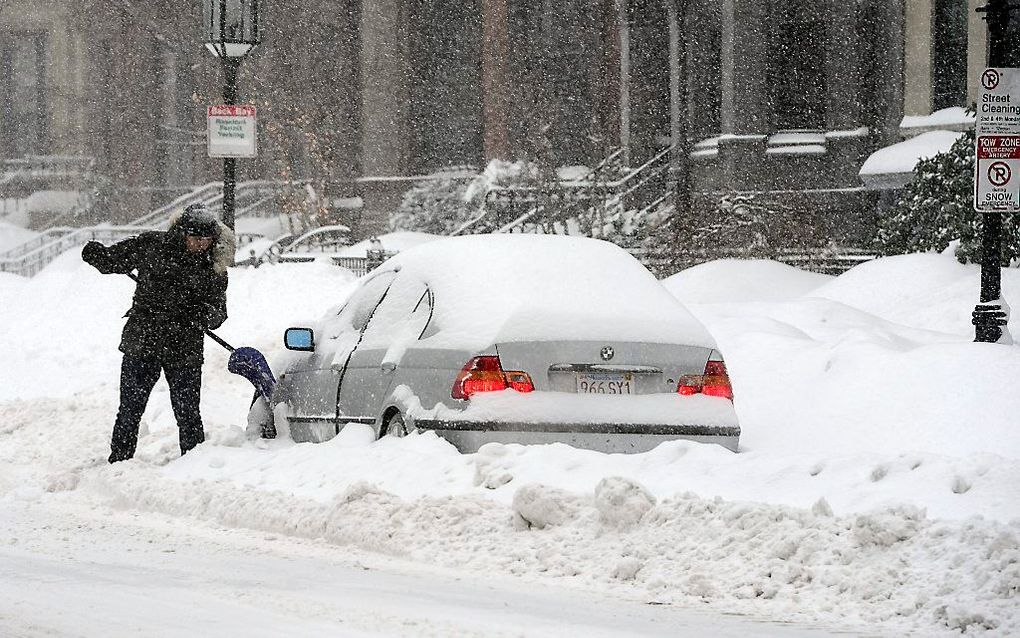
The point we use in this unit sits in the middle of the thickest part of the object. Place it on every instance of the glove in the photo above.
(215, 318)
(92, 251)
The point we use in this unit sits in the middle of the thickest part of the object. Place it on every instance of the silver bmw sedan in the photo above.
(507, 338)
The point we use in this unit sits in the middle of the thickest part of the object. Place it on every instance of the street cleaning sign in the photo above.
(997, 165)
(232, 131)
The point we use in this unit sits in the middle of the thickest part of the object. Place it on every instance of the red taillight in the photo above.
(485, 374)
(715, 382)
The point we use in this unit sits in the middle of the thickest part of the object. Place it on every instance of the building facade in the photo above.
(784, 98)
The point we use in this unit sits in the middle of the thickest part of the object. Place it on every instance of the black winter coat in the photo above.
(178, 295)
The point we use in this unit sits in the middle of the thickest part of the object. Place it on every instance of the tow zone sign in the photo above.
(997, 165)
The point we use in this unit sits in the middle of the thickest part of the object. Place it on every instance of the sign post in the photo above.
(996, 168)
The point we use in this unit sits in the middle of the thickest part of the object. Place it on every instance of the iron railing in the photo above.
(32, 256)
(35, 260)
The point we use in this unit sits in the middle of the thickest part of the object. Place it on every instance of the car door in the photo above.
(314, 394)
(396, 325)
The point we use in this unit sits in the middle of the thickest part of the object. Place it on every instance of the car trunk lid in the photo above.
(603, 367)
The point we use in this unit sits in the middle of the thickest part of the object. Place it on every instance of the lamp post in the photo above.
(231, 29)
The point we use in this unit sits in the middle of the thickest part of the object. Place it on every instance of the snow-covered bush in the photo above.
(937, 208)
(438, 204)
(447, 200)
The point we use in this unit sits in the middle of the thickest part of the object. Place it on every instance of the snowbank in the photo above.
(877, 488)
(742, 280)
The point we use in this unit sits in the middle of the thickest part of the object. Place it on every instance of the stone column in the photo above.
(623, 21)
(842, 76)
(893, 102)
(384, 111)
(495, 79)
(744, 65)
(609, 73)
(917, 51)
(846, 145)
(745, 112)
(384, 88)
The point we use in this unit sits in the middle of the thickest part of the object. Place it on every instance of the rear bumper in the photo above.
(468, 436)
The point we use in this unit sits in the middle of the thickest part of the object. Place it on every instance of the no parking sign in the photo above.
(997, 150)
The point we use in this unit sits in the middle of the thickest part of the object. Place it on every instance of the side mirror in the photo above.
(299, 339)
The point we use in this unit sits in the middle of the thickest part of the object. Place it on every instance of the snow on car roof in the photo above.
(501, 288)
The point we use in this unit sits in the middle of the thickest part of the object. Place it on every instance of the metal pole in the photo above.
(989, 319)
(230, 66)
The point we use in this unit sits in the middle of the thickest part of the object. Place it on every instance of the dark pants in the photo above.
(138, 375)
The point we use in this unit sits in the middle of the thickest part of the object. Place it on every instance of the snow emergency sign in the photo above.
(997, 165)
(232, 131)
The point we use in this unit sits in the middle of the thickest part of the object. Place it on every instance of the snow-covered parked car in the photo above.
(509, 338)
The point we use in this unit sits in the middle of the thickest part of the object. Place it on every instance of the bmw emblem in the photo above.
(607, 353)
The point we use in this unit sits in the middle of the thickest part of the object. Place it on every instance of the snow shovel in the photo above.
(245, 361)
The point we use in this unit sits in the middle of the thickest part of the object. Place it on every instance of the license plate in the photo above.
(605, 383)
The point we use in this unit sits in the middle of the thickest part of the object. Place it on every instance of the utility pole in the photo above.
(991, 315)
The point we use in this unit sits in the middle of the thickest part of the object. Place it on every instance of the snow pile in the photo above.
(745, 281)
(836, 371)
(893, 569)
(876, 490)
(896, 163)
(954, 118)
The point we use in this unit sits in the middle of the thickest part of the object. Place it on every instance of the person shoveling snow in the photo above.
(181, 294)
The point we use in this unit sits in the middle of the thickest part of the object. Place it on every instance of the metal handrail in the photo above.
(180, 202)
(31, 256)
(468, 224)
(32, 262)
(43, 238)
(520, 221)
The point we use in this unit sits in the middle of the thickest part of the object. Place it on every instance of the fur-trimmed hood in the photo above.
(224, 246)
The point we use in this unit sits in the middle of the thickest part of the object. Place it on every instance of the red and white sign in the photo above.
(997, 152)
(232, 131)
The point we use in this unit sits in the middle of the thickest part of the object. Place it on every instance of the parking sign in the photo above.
(997, 147)
(232, 131)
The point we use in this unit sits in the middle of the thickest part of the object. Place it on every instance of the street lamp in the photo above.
(231, 30)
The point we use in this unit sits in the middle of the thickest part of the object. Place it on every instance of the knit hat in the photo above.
(199, 221)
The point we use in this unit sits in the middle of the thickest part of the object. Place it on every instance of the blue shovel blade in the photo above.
(252, 365)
